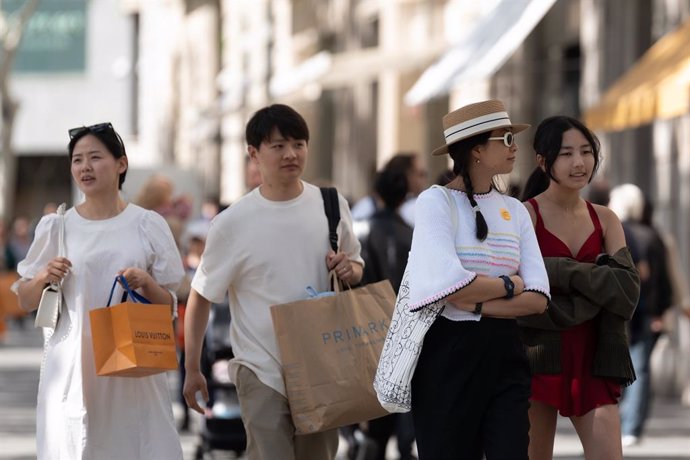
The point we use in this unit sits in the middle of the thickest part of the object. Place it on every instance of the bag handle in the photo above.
(331, 206)
(135, 296)
(61, 240)
(337, 284)
(61, 251)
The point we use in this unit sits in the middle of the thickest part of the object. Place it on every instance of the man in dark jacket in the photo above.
(386, 239)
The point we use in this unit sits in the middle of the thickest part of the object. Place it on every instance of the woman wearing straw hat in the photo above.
(471, 385)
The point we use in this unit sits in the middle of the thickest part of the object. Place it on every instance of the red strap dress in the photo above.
(575, 391)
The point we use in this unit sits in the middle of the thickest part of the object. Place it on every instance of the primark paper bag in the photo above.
(330, 348)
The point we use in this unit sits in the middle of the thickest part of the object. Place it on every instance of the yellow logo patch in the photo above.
(505, 214)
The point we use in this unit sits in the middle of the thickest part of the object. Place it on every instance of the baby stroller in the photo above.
(221, 427)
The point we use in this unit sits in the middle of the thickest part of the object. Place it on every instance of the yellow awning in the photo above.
(656, 87)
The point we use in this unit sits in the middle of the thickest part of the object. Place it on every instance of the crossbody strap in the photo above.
(331, 206)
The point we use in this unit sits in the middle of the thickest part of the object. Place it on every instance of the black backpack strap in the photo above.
(331, 206)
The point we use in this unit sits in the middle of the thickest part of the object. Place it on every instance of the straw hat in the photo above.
(475, 119)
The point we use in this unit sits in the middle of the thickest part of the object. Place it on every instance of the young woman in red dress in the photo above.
(568, 226)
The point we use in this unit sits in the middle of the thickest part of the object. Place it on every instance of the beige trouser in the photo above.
(270, 431)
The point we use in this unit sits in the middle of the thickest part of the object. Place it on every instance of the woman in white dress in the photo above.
(81, 415)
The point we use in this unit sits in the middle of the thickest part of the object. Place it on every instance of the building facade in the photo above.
(68, 72)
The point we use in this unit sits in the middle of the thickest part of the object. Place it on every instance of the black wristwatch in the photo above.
(509, 285)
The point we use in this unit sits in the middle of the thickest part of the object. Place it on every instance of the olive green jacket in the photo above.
(606, 291)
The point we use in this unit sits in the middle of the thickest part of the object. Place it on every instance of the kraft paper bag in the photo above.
(330, 348)
(133, 339)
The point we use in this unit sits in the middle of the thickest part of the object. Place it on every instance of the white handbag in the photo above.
(403, 344)
(50, 306)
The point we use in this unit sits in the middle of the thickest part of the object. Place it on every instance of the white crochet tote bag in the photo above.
(403, 344)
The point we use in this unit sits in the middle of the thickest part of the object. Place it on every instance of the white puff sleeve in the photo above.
(163, 260)
(435, 271)
(44, 247)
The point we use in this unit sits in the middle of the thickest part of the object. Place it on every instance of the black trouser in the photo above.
(470, 391)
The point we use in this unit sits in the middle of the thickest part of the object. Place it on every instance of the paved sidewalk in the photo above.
(667, 435)
(20, 360)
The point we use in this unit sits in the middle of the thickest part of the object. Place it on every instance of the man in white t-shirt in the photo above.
(266, 249)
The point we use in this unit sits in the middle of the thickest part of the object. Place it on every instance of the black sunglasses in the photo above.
(97, 128)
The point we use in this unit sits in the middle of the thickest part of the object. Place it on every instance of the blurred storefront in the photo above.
(376, 77)
(643, 114)
(149, 67)
(344, 64)
(69, 71)
(178, 61)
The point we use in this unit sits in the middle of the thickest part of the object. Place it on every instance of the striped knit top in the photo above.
(444, 259)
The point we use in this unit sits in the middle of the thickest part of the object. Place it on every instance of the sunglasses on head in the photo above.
(507, 139)
(97, 128)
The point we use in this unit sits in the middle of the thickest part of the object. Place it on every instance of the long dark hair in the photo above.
(548, 141)
(461, 153)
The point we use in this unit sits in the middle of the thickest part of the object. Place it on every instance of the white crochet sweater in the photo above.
(443, 260)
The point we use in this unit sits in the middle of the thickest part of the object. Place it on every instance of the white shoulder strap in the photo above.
(61, 242)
